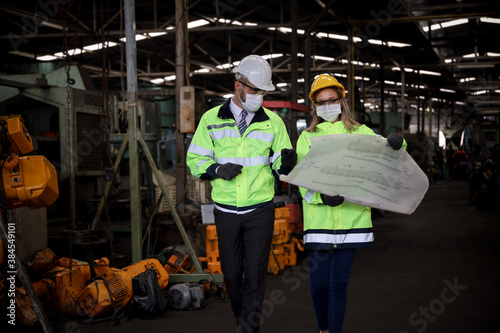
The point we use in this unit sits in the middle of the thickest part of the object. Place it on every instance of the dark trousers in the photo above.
(329, 273)
(244, 245)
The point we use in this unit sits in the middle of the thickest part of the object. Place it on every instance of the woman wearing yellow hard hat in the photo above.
(333, 228)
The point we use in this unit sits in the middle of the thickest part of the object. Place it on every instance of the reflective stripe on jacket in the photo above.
(345, 226)
(218, 141)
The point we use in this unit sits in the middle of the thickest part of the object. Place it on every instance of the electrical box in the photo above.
(187, 103)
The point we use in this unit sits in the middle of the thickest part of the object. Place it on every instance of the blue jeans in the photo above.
(329, 273)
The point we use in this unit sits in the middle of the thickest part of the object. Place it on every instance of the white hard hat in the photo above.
(257, 71)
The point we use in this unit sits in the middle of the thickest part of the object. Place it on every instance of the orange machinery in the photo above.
(28, 181)
(79, 289)
(283, 245)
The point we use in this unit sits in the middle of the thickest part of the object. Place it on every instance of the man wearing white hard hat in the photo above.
(238, 146)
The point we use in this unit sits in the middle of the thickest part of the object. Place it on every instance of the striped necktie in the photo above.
(242, 126)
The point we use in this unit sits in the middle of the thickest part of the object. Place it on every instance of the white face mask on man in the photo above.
(329, 112)
(252, 102)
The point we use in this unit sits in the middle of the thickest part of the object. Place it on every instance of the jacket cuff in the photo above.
(210, 173)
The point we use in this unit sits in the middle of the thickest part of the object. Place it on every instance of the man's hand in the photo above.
(228, 171)
(288, 161)
(332, 201)
(395, 141)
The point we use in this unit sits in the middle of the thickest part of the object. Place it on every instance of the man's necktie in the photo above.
(242, 126)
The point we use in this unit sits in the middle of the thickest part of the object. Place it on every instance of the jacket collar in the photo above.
(225, 113)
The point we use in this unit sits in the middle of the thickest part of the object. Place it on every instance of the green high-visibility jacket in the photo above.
(217, 141)
(345, 226)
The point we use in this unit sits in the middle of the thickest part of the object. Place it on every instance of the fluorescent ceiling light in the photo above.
(409, 70)
(221, 20)
(479, 92)
(202, 70)
(157, 81)
(226, 21)
(156, 34)
(333, 36)
(289, 30)
(490, 20)
(454, 23)
(375, 41)
(475, 65)
(70, 52)
(170, 78)
(433, 27)
(272, 55)
(460, 103)
(467, 79)
(471, 55)
(197, 23)
(99, 46)
(429, 73)
(447, 24)
(398, 44)
(359, 40)
(23, 54)
(282, 84)
(138, 37)
(52, 25)
(228, 95)
(317, 57)
(492, 54)
(300, 101)
(447, 90)
(46, 58)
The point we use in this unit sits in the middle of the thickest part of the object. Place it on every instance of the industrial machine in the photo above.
(27, 181)
(77, 289)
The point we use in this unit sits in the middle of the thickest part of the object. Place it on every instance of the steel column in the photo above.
(133, 131)
(180, 72)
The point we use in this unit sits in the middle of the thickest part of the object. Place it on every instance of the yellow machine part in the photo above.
(20, 140)
(74, 291)
(212, 250)
(29, 181)
(96, 299)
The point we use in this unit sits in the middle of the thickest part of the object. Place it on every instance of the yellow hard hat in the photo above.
(324, 81)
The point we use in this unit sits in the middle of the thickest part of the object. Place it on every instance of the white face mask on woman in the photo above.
(252, 102)
(329, 112)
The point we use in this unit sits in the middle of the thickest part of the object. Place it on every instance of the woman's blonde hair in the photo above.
(347, 115)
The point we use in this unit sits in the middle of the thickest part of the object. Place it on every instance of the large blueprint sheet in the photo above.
(364, 170)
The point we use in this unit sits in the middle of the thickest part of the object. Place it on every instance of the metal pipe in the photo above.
(430, 116)
(294, 74)
(350, 70)
(403, 101)
(133, 131)
(180, 71)
(307, 50)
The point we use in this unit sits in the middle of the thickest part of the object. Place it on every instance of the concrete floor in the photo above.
(435, 271)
